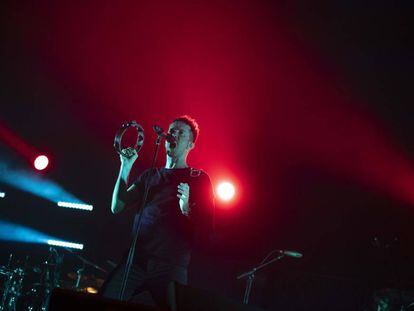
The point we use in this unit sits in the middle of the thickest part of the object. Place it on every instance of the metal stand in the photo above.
(136, 233)
(250, 277)
(86, 262)
(79, 275)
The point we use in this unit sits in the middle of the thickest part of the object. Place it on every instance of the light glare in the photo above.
(41, 162)
(2, 194)
(225, 191)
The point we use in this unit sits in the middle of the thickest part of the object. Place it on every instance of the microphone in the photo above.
(160, 132)
(291, 254)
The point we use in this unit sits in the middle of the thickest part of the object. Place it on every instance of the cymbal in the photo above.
(74, 276)
(5, 270)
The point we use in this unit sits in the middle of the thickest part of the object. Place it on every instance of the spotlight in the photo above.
(225, 191)
(82, 206)
(64, 244)
(2, 194)
(41, 162)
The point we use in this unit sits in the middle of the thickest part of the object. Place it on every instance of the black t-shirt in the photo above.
(165, 232)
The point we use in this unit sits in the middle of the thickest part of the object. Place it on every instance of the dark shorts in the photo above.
(152, 275)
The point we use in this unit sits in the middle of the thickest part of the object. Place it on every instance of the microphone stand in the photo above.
(251, 274)
(79, 275)
(136, 233)
(85, 261)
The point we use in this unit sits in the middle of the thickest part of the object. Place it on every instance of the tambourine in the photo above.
(120, 133)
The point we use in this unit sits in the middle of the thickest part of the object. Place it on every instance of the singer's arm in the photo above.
(123, 194)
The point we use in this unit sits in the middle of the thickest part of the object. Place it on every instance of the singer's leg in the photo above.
(112, 286)
(160, 275)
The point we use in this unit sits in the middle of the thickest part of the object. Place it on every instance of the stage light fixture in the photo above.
(41, 162)
(65, 244)
(225, 191)
(2, 194)
(81, 206)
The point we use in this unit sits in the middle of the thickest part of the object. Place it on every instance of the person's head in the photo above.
(185, 130)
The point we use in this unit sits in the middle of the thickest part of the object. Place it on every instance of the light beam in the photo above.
(12, 232)
(35, 184)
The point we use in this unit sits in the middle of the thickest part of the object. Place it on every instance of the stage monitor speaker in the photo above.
(186, 298)
(64, 300)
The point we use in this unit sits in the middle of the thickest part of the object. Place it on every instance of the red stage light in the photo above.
(41, 162)
(225, 191)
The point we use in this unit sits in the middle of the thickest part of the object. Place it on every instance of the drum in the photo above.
(11, 288)
(36, 298)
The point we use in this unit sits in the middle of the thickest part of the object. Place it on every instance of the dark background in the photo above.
(306, 106)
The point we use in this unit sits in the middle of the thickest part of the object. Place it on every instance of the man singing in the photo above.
(177, 215)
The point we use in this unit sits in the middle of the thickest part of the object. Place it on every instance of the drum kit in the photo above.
(28, 287)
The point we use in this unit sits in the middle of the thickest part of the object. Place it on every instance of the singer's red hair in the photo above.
(192, 123)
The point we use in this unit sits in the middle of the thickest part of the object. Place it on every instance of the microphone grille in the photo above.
(157, 129)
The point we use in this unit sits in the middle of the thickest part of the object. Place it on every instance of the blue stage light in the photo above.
(17, 233)
(65, 244)
(85, 207)
(2, 194)
(35, 184)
